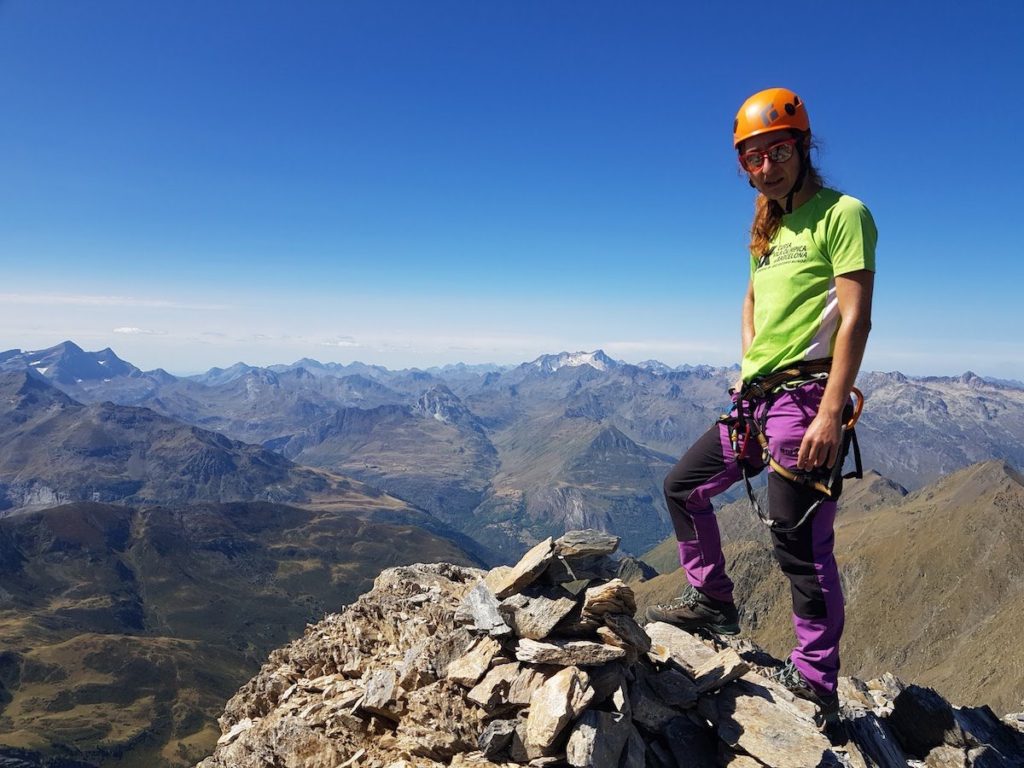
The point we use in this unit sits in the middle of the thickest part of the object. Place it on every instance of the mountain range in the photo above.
(509, 455)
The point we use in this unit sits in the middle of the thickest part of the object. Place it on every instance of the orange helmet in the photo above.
(770, 110)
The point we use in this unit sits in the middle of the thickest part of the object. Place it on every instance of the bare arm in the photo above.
(746, 330)
(748, 317)
(821, 442)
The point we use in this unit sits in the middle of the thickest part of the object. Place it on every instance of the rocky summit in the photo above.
(543, 664)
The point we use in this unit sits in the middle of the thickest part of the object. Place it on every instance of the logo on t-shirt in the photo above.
(783, 253)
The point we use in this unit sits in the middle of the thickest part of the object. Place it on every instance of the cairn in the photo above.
(544, 664)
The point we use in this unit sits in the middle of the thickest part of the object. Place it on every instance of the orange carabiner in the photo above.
(857, 407)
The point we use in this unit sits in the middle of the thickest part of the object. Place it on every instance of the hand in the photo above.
(820, 446)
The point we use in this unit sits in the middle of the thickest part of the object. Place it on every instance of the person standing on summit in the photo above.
(805, 323)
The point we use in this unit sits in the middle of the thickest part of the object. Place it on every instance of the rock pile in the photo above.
(543, 664)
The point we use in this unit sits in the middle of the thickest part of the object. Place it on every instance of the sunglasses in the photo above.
(753, 161)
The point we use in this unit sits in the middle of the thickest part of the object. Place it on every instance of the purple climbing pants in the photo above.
(805, 555)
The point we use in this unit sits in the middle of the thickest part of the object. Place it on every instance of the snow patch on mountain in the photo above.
(596, 359)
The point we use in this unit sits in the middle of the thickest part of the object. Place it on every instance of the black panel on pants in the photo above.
(787, 502)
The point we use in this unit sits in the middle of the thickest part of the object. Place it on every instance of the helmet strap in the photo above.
(801, 175)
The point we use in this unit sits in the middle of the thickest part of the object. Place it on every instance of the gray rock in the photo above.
(983, 728)
(613, 597)
(527, 682)
(691, 745)
(632, 570)
(725, 667)
(300, 711)
(576, 624)
(1015, 720)
(236, 730)
(610, 638)
(855, 694)
(565, 570)
(491, 693)
(876, 740)
(480, 610)
(606, 680)
(923, 720)
(497, 736)
(417, 668)
(774, 735)
(886, 688)
(381, 693)
(525, 571)
(629, 631)
(517, 749)
(565, 653)
(556, 703)
(754, 684)
(437, 724)
(428, 660)
(685, 649)
(586, 542)
(648, 710)
(471, 667)
(597, 739)
(945, 756)
(534, 617)
(673, 688)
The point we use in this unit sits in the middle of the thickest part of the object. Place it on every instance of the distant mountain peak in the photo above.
(263, 376)
(69, 364)
(300, 373)
(442, 404)
(161, 376)
(65, 346)
(217, 376)
(654, 366)
(596, 359)
(27, 388)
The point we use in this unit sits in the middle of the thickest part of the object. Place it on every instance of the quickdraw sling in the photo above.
(746, 425)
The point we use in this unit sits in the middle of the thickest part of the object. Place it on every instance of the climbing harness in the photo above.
(745, 424)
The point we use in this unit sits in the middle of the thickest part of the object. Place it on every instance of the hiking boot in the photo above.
(790, 678)
(695, 610)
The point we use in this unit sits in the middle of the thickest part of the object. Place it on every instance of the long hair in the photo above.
(768, 213)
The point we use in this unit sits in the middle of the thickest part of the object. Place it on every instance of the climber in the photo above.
(807, 310)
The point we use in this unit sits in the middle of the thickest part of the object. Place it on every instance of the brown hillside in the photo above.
(123, 630)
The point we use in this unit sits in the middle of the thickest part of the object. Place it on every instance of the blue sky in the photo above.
(416, 183)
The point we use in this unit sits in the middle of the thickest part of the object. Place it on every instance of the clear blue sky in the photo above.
(421, 182)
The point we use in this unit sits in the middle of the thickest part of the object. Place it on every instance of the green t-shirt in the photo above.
(796, 312)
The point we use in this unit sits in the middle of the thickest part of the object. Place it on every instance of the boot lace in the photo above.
(789, 677)
(689, 598)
